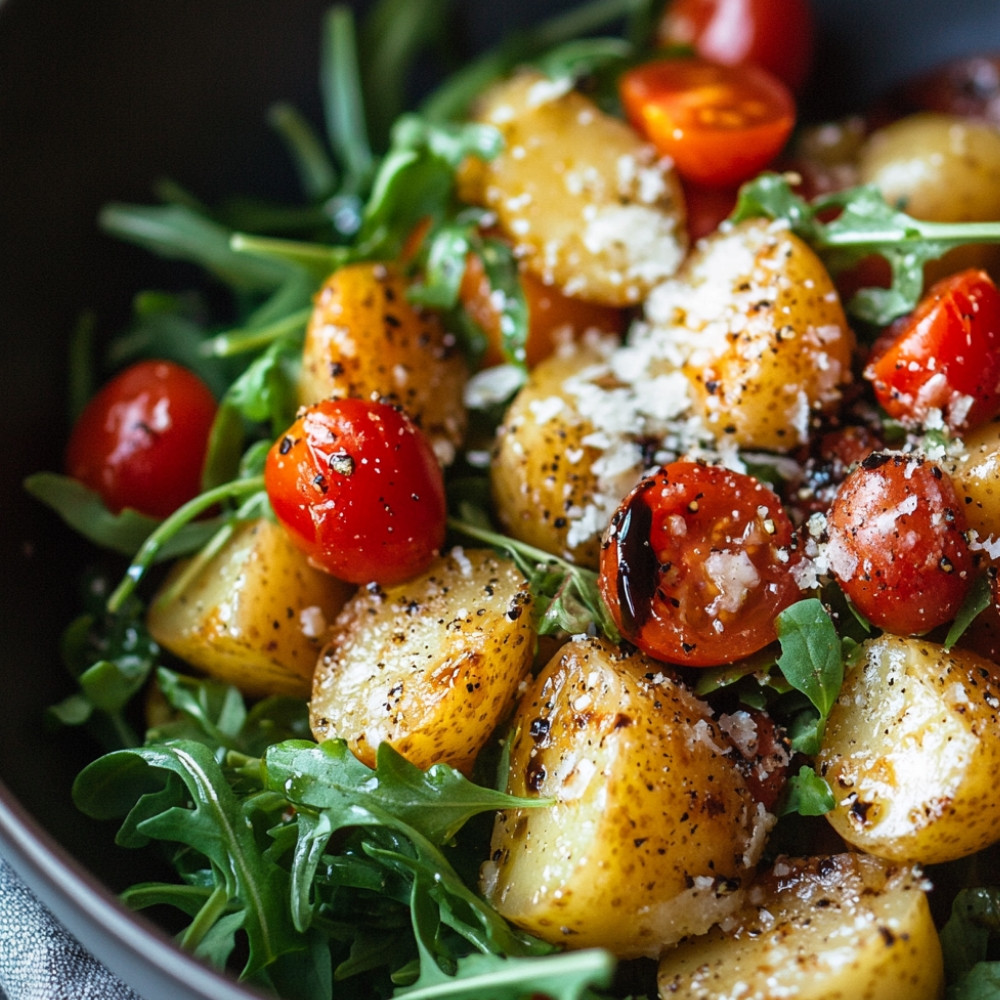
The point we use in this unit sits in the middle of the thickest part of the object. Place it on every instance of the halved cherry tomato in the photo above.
(551, 314)
(719, 124)
(696, 563)
(897, 543)
(778, 35)
(358, 488)
(945, 355)
(764, 753)
(141, 441)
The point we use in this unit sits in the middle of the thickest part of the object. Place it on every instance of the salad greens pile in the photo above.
(305, 870)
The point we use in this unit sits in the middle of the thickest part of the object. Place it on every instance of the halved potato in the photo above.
(975, 471)
(754, 320)
(430, 666)
(844, 926)
(652, 829)
(366, 339)
(254, 614)
(912, 750)
(585, 202)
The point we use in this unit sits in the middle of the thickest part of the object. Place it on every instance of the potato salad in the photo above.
(568, 565)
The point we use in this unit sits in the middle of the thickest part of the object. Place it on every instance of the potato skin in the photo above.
(430, 666)
(911, 752)
(975, 471)
(254, 615)
(755, 322)
(584, 201)
(653, 828)
(546, 485)
(840, 927)
(365, 339)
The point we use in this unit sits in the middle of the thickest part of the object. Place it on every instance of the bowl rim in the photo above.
(126, 942)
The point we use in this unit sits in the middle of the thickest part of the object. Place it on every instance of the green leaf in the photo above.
(807, 794)
(202, 812)
(84, 511)
(811, 659)
(569, 976)
(965, 938)
(979, 598)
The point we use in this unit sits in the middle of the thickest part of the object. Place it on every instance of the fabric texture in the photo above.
(39, 960)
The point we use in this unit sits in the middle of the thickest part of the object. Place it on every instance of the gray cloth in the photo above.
(39, 960)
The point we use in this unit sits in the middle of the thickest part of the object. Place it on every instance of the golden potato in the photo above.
(554, 485)
(366, 339)
(843, 927)
(584, 201)
(430, 666)
(911, 752)
(975, 471)
(754, 320)
(253, 615)
(652, 829)
(943, 168)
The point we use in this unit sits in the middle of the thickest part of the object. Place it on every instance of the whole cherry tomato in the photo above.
(696, 563)
(897, 544)
(141, 441)
(945, 355)
(778, 35)
(719, 124)
(359, 490)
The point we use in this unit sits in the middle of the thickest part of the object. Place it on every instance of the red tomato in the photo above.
(696, 563)
(778, 35)
(719, 124)
(358, 488)
(945, 355)
(897, 544)
(764, 753)
(707, 207)
(141, 441)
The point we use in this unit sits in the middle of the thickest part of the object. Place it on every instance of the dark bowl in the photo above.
(99, 99)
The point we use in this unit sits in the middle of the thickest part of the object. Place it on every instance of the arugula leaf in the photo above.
(811, 659)
(84, 511)
(979, 598)
(807, 794)
(965, 939)
(567, 598)
(863, 224)
(194, 805)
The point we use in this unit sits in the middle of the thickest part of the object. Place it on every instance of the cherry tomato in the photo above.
(897, 543)
(945, 355)
(719, 124)
(551, 314)
(141, 441)
(778, 35)
(696, 563)
(764, 753)
(357, 486)
(706, 207)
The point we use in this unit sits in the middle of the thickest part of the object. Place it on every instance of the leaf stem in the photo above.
(167, 528)
(206, 918)
(243, 341)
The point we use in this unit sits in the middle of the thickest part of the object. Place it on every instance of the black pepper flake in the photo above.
(286, 445)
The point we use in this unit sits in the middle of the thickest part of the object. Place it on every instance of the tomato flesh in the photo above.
(778, 35)
(357, 486)
(944, 356)
(719, 124)
(697, 562)
(141, 441)
(897, 543)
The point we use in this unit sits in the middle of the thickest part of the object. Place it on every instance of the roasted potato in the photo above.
(943, 168)
(975, 471)
(254, 614)
(430, 666)
(555, 484)
(584, 201)
(754, 320)
(652, 829)
(911, 751)
(841, 926)
(366, 339)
